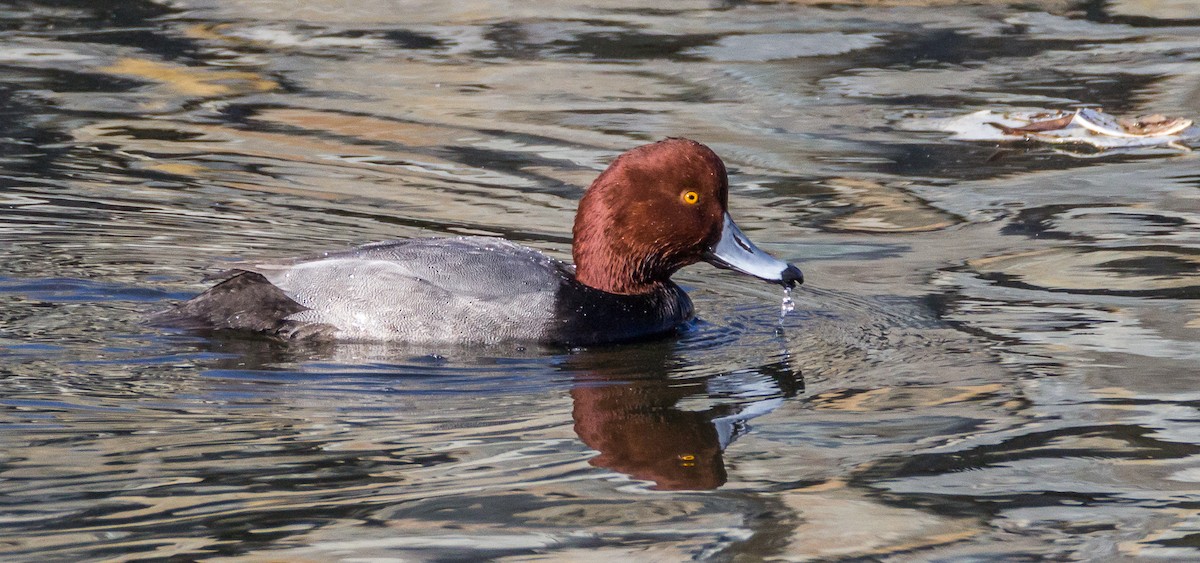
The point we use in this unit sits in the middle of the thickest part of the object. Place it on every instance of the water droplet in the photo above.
(788, 305)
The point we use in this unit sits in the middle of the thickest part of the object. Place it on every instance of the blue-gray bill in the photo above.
(735, 252)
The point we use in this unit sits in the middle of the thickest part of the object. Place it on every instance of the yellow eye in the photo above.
(690, 197)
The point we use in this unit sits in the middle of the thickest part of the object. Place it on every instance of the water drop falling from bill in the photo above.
(787, 306)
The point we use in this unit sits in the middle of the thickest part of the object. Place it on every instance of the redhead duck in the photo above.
(656, 209)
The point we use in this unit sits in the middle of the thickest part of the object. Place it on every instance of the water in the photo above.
(993, 356)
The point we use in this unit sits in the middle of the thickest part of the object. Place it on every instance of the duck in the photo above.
(657, 208)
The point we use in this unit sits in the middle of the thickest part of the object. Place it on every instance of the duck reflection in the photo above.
(672, 430)
(661, 411)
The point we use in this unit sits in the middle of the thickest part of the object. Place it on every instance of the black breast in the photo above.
(585, 316)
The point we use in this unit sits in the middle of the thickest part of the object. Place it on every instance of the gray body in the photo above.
(429, 291)
(471, 289)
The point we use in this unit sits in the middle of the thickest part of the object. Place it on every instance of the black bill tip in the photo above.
(791, 277)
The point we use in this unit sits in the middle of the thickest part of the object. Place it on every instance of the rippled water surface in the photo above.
(995, 356)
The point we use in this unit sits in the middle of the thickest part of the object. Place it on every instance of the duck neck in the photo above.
(615, 266)
(611, 271)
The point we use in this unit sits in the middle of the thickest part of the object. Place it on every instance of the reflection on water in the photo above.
(641, 426)
(994, 356)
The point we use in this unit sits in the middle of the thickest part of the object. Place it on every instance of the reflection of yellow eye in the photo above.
(690, 197)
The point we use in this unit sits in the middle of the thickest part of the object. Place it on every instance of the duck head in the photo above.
(656, 209)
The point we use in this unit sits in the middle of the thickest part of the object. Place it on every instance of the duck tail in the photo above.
(244, 301)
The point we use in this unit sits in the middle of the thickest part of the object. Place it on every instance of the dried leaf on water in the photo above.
(1086, 126)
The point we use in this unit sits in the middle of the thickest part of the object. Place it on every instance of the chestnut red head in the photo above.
(658, 208)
